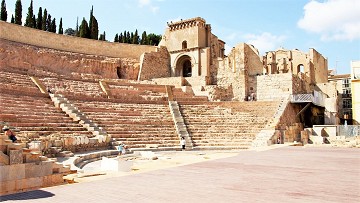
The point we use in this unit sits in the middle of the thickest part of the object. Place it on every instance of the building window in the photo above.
(345, 83)
(346, 93)
(184, 45)
(347, 103)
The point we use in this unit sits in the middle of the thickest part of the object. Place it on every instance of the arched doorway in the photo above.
(184, 66)
(187, 69)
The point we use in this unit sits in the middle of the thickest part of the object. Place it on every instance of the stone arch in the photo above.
(184, 66)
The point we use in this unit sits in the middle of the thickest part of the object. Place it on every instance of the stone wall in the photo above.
(320, 64)
(271, 87)
(23, 169)
(44, 61)
(155, 65)
(40, 38)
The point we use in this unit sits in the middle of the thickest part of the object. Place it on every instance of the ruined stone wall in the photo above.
(228, 78)
(271, 87)
(40, 38)
(155, 65)
(34, 59)
(289, 125)
(320, 67)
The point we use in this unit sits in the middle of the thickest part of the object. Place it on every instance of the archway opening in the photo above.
(300, 68)
(187, 72)
(118, 71)
(184, 45)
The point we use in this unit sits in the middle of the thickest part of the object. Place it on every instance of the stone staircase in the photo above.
(180, 124)
(267, 136)
(73, 112)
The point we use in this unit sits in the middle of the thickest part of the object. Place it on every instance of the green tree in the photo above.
(154, 39)
(77, 33)
(102, 37)
(116, 38)
(131, 37)
(34, 20)
(124, 37)
(18, 12)
(39, 19)
(53, 26)
(44, 20)
(48, 23)
(135, 39)
(84, 29)
(3, 14)
(144, 38)
(12, 19)
(70, 31)
(61, 30)
(94, 30)
(120, 38)
(128, 37)
(29, 22)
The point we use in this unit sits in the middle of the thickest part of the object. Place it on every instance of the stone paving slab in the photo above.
(289, 174)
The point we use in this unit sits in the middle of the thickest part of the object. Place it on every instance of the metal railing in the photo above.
(317, 98)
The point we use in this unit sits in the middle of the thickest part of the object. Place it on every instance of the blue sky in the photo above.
(332, 27)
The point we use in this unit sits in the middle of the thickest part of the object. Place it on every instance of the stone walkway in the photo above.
(288, 174)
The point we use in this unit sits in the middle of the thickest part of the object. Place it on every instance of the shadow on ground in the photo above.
(35, 194)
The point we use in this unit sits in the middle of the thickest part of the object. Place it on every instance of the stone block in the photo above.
(52, 180)
(3, 148)
(33, 183)
(37, 170)
(33, 157)
(12, 172)
(4, 159)
(16, 157)
(7, 187)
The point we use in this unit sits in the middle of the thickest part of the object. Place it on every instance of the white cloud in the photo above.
(143, 3)
(265, 41)
(332, 19)
(148, 4)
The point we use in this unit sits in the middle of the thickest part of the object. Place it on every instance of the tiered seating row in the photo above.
(73, 87)
(137, 125)
(226, 124)
(36, 114)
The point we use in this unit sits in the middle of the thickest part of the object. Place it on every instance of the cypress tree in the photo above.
(18, 12)
(53, 26)
(39, 19)
(128, 37)
(116, 39)
(29, 18)
(48, 23)
(3, 14)
(144, 38)
(102, 37)
(94, 30)
(77, 27)
(124, 37)
(12, 19)
(121, 38)
(61, 30)
(84, 29)
(131, 38)
(135, 38)
(44, 20)
(34, 21)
